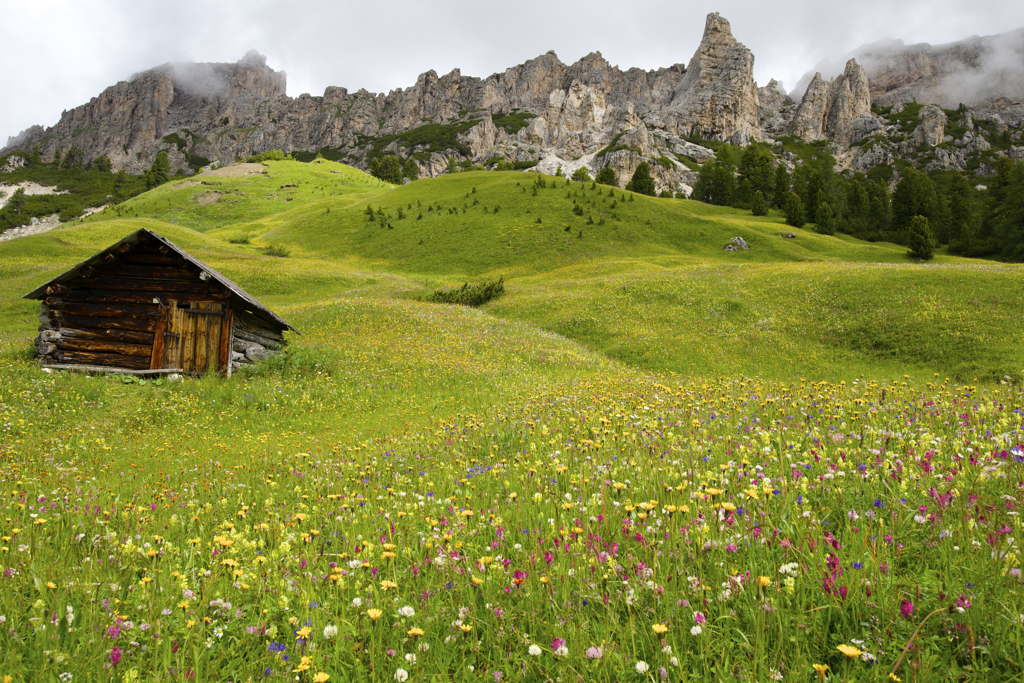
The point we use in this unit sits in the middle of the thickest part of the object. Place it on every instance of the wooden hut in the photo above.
(145, 306)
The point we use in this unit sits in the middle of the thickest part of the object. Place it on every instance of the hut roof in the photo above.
(251, 304)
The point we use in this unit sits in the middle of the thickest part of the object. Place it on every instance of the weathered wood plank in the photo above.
(224, 353)
(111, 310)
(145, 272)
(137, 324)
(143, 285)
(124, 296)
(111, 370)
(172, 336)
(99, 346)
(156, 358)
(202, 327)
(154, 259)
(109, 359)
(130, 336)
(188, 341)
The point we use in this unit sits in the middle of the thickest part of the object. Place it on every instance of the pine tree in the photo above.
(794, 209)
(642, 182)
(757, 205)
(606, 176)
(825, 218)
(914, 196)
(756, 168)
(580, 175)
(160, 172)
(781, 188)
(17, 199)
(120, 186)
(411, 170)
(390, 170)
(920, 239)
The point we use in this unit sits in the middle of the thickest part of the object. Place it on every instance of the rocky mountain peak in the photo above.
(717, 95)
(829, 110)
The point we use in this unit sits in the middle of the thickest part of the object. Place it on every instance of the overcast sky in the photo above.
(60, 53)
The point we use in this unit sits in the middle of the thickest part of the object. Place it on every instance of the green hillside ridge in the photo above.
(651, 287)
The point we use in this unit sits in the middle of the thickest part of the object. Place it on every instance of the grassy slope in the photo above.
(651, 286)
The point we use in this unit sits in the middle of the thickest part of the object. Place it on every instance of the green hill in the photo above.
(640, 279)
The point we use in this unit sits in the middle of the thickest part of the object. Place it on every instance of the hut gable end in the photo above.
(146, 306)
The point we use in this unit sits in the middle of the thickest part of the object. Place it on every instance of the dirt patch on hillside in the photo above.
(207, 198)
(235, 171)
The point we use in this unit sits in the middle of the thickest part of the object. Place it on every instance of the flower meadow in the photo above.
(360, 518)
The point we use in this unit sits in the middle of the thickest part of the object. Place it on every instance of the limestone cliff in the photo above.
(831, 110)
(590, 113)
(717, 97)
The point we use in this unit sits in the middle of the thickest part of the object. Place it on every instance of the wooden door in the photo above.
(192, 337)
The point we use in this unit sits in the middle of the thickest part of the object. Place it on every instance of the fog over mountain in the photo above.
(64, 53)
(975, 71)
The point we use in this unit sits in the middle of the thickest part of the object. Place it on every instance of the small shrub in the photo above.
(278, 250)
(469, 295)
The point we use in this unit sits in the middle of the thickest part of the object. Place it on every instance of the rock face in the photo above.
(835, 109)
(589, 114)
(932, 129)
(718, 97)
(222, 112)
(983, 73)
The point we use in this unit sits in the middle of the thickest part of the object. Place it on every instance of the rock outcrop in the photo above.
(718, 96)
(835, 110)
(932, 129)
(588, 114)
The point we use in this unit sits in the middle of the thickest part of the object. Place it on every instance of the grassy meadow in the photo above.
(649, 460)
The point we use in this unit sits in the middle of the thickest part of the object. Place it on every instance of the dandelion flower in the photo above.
(374, 613)
(849, 650)
(660, 629)
(321, 677)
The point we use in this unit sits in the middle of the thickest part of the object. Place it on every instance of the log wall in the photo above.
(110, 314)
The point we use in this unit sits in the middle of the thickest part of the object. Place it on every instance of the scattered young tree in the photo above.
(794, 209)
(160, 172)
(121, 183)
(411, 170)
(606, 176)
(825, 218)
(642, 182)
(389, 169)
(758, 207)
(920, 239)
(580, 175)
(102, 163)
(781, 187)
(715, 185)
(17, 199)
